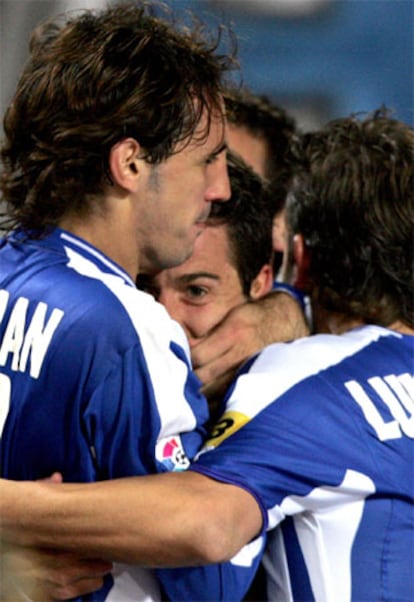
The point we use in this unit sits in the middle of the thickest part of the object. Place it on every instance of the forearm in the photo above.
(164, 520)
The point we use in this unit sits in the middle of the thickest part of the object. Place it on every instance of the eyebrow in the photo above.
(187, 278)
(223, 147)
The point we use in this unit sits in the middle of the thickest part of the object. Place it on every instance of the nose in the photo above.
(218, 180)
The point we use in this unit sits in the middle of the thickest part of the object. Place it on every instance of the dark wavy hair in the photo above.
(266, 120)
(248, 217)
(98, 77)
(353, 201)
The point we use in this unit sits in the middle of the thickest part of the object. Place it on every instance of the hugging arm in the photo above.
(173, 519)
(246, 329)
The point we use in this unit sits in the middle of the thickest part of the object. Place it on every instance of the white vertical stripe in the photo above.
(156, 330)
(326, 522)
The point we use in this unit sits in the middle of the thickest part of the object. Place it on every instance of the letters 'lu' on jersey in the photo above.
(94, 376)
(321, 431)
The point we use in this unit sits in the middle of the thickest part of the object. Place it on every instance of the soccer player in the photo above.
(316, 445)
(114, 152)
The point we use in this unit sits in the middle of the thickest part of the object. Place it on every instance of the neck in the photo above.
(108, 234)
(401, 328)
(336, 323)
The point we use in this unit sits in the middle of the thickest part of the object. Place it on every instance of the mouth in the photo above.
(201, 221)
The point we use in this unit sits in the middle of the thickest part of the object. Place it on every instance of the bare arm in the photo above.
(248, 328)
(173, 519)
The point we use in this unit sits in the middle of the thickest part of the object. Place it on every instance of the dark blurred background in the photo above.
(319, 59)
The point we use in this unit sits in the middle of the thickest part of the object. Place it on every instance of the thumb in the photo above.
(56, 478)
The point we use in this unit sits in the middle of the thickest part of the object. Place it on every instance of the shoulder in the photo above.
(282, 366)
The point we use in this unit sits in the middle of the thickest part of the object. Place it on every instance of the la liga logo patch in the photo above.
(171, 453)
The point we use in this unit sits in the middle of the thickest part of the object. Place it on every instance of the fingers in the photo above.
(77, 588)
(221, 353)
(55, 478)
(71, 577)
(215, 370)
(209, 350)
(63, 568)
(48, 575)
(215, 388)
(245, 330)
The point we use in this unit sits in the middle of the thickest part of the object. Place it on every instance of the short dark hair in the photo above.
(92, 80)
(263, 119)
(248, 217)
(353, 201)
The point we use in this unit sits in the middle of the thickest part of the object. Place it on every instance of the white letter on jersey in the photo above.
(38, 337)
(5, 394)
(398, 401)
(4, 297)
(13, 337)
(397, 394)
(33, 342)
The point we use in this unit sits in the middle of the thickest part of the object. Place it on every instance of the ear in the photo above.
(302, 261)
(124, 164)
(279, 232)
(263, 282)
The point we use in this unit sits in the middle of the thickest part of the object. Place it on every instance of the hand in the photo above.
(45, 575)
(244, 331)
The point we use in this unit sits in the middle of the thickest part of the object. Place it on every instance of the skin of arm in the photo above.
(173, 519)
(247, 328)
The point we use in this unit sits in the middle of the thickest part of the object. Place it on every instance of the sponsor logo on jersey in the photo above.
(228, 424)
(171, 453)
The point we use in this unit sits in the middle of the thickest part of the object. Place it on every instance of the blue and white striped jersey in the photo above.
(321, 432)
(95, 378)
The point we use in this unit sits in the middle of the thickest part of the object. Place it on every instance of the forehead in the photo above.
(208, 136)
(211, 254)
(253, 149)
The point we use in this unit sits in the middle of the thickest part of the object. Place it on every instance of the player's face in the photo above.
(201, 291)
(178, 194)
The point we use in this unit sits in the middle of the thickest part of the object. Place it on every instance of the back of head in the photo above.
(263, 119)
(353, 201)
(92, 80)
(248, 217)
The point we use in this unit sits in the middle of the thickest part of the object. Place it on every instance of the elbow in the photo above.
(218, 521)
(217, 543)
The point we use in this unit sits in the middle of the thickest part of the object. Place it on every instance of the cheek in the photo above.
(201, 320)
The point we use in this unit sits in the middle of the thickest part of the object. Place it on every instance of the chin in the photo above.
(174, 260)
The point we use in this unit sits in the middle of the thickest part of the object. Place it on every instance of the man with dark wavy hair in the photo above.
(114, 153)
(316, 444)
